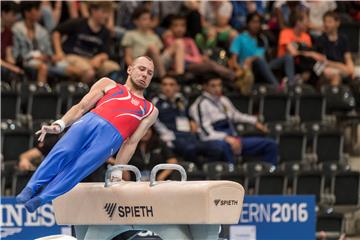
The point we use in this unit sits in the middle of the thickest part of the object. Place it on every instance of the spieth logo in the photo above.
(219, 202)
(113, 209)
(110, 209)
(135, 102)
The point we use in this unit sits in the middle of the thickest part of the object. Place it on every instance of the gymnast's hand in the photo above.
(52, 129)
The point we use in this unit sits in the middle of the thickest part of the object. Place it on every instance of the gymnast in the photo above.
(110, 117)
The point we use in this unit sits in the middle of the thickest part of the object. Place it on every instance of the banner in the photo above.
(17, 223)
(276, 217)
(262, 218)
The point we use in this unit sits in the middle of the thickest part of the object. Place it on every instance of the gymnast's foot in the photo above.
(24, 196)
(33, 204)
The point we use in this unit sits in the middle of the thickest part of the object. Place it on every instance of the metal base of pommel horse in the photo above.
(172, 209)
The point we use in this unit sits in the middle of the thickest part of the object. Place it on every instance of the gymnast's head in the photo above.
(140, 72)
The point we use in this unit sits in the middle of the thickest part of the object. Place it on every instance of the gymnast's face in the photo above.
(141, 72)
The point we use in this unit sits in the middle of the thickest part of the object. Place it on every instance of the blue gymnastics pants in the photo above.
(86, 146)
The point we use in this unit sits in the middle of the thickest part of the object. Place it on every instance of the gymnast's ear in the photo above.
(129, 69)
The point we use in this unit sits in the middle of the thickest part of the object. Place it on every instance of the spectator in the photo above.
(150, 152)
(143, 41)
(193, 18)
(249, 48)
(191, 60)
(317, 9)
(32, 46)
(177, 129)
(216, 29)
(283, 10)
(241, 9)
(334, 46)
(216, 116)
(86, 48)
(51, 13)
(296, 42)
(8, 18)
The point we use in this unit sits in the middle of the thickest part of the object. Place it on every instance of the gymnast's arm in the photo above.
(128, 148)
(96, 92)
(88, 102)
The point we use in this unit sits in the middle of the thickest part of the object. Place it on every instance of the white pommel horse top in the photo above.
(172, 209)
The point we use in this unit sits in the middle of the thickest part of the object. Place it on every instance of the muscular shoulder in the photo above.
(104, 84)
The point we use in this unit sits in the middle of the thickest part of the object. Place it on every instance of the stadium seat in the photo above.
(19, 181)
(15, 140)
(292, 149)
(10, 103)
(309, 183)
(275, 108)
(242, 103)
(310, 108)
(328, 147)
(271, 184)
(345, 187)
(193, 173)
(81, 90)
(330, 223)
(339, 99)
(213, 170)
(44, 103)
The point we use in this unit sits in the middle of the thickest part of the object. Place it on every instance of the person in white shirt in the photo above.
(216, 117)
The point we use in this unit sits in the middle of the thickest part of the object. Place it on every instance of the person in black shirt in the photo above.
(150, 152)
(87, 43)
(334, 46)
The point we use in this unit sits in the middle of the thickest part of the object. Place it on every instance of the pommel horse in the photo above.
(172, 209)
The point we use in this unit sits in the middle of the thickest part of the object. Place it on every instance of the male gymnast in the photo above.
(108, 118)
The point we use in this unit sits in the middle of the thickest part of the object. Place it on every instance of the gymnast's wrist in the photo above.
(60, 123)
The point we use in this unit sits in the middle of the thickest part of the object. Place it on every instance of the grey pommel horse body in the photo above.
(172, 209)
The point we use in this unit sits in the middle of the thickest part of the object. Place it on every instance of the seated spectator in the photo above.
(334, 46)
(7, 63)
(317, 9)
(177, 129)
(150, 152)
(51, 14)
(283, 10)
(143, 41)
(217, 116)
(297, 42)
(217, 32)
(249, 48)
(190, 58)
(32, 47)
(86, 48)
(243, 8)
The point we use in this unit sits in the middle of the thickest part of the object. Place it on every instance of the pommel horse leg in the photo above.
(185, 232)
